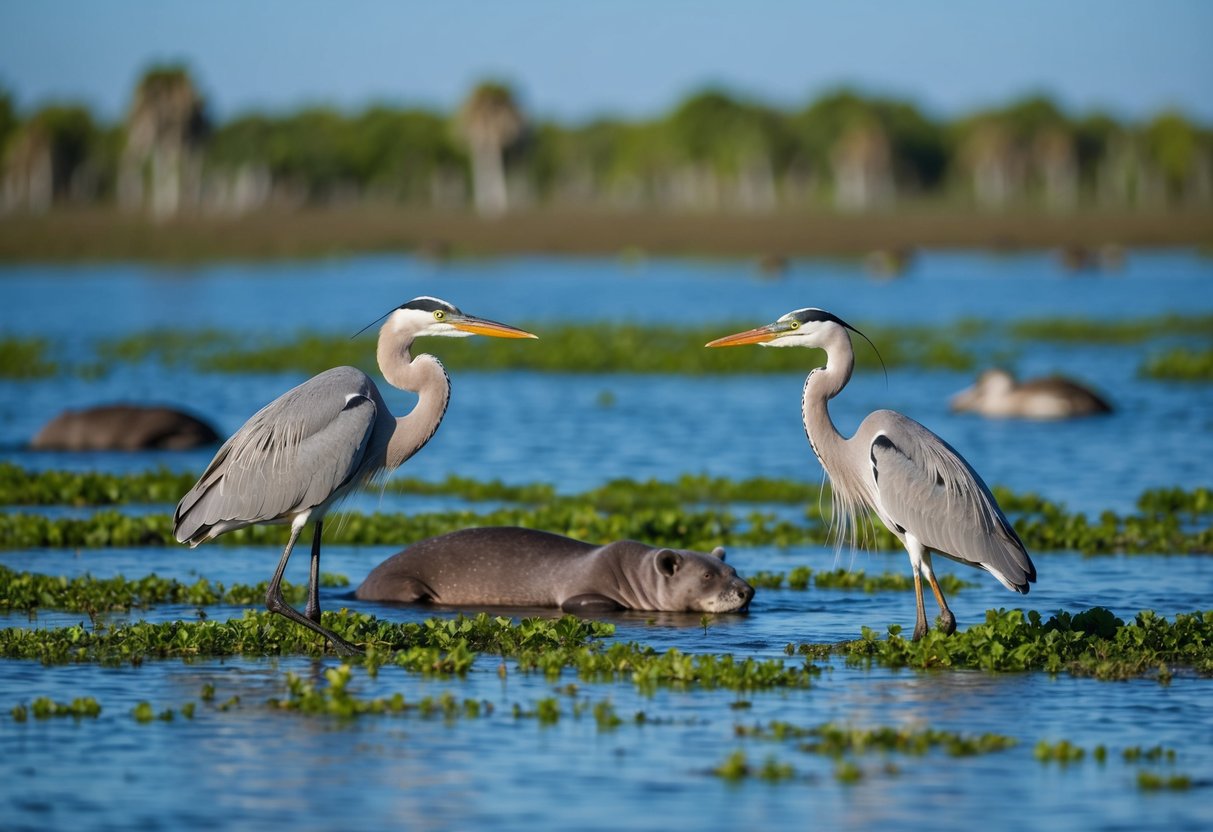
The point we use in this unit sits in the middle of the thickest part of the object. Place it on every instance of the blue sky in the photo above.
(575, 59)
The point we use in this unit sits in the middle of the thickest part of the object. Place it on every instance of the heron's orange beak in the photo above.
(483, 326)
(750, 336)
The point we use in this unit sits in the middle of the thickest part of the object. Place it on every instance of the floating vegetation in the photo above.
(1092, 643)
(28, 591)
(22, 487)
(800, 577)
(583, 347)
(1180, 364)
(662, 513)
(1063, 752)
(144, 712)
(445, 646)
(608, 347)
(671, 526)
(1102, 331)
(334, 698)
(835, 740)
(737, 767)
(1152, 782)
(1193, 504)
(261, 633)
(46, 708)
(25, 358)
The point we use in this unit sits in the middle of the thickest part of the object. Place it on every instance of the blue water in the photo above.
(252, 767)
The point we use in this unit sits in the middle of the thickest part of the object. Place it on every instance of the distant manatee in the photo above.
(122, 427)
(516, 567)
(997, 394)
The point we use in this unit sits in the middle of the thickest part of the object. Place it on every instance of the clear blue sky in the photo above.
(574, 59)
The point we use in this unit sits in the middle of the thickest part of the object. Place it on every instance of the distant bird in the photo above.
(123, 427)
(997, 394)
(303, 452)
(888, 263)
(917, 484)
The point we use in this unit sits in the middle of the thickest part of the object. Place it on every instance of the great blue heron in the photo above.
(304, 451)
(917, 484)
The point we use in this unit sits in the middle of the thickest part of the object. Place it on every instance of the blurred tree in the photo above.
(490, 121)
(1174, 147)
(165, 128)
(48, 159)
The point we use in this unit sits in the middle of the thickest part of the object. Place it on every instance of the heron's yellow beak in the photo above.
(483, 326)
(750, 336)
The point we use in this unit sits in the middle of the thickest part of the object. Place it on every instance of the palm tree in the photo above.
(490, 121)
(164, 131)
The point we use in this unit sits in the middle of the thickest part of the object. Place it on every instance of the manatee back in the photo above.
(123, 428)
(492, 565)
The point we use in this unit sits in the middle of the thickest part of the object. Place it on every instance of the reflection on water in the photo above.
(251, 767)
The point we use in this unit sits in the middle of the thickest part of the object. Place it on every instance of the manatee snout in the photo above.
(735, 596)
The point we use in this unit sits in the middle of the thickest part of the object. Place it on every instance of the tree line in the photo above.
(714, 151)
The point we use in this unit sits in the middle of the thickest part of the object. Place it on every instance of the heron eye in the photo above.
(794, 324)
(439, 314)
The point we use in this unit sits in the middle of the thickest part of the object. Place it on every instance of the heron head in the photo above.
(809, 327)
(426, 316)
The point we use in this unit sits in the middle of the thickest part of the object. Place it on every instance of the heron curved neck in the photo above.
(823, 384)
(423, 375)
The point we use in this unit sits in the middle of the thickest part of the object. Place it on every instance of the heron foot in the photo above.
(946, 622)
(344, 647)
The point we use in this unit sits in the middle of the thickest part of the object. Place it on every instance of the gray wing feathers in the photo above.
(290, 456)
(929, 490)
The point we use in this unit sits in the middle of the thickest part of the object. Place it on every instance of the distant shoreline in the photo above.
(106, 235)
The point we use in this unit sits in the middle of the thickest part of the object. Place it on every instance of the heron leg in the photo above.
(312, 610)
(274, 601)
(917, 552)
(947, 621)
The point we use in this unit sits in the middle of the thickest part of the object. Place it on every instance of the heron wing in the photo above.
(291, 455)
(928, 489)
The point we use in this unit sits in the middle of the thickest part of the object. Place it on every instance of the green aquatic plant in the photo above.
(1151, 782)
(835, 740)
(23, 487)
(260, 633)
(1063, 752)
(46, 708)
(28, 591)
(1092, 643)
(737, 767)
(1103, 331)
(800, 577)
(1180, 364)
(664, 526)
(25, 358)
(664, 513)
(583, 347)
(334, 697)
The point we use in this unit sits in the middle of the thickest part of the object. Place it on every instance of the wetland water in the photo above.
(249, 766)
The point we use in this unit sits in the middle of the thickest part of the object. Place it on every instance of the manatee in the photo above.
(516, 567)
(121, 427)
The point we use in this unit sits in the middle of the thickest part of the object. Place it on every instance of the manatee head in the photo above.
(697, 582)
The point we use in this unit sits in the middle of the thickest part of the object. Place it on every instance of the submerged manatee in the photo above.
(509, 566)
(123, 427)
